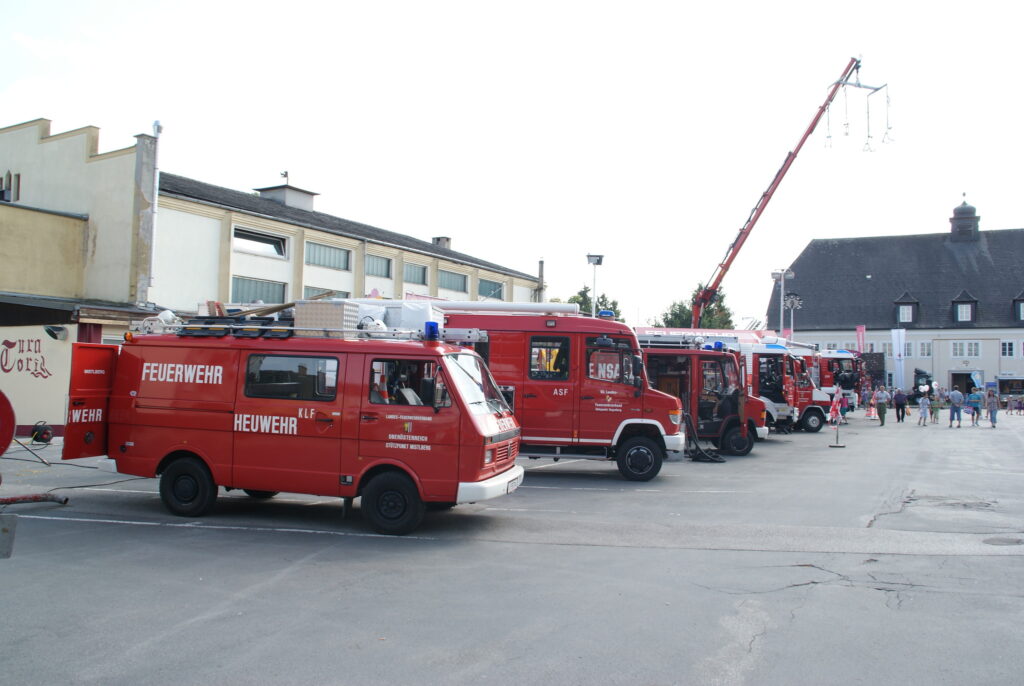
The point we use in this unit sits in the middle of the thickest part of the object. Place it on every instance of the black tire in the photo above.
(812, 422)
(187, 488)
(734, 443)
(639, 459)
(260, 495)
(392, 504)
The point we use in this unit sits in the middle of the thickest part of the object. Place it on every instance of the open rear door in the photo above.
(92, 377)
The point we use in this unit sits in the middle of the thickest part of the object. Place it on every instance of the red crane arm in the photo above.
(708, 293)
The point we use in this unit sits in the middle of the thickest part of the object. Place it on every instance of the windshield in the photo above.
(475, 384)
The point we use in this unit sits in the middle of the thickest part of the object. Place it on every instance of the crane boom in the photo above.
(707, 294)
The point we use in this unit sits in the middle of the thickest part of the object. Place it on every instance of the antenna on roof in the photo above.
(284, 174)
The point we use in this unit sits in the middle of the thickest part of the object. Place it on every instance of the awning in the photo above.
(23, 309)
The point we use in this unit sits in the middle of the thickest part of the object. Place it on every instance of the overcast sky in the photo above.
(528, 131)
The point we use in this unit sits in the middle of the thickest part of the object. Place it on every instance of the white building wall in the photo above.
(186, 260)
(64, 173)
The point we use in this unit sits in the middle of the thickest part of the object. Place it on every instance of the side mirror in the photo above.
(427, 388)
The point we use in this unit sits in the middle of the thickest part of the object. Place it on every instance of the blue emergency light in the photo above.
(431, 332)
(718, 345)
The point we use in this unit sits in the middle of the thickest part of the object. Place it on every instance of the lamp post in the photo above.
(596, 261)
(781, 275)
(793, 302)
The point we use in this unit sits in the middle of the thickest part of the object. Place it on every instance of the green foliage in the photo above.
(680, 313)
(582, 298)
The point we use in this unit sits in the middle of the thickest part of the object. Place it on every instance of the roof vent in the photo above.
(289, 196)
(443, 242)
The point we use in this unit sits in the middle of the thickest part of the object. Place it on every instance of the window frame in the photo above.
(497, 294)
(262, 237)
(236, 299)
(905, 314)
(416, 265)
(564, 344)
(316, 398)
(1006, 348)
(442, 273)
(344, 251)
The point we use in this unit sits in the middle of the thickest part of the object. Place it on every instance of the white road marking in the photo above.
(222, 527)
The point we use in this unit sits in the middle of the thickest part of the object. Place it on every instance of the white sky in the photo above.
(523, 130)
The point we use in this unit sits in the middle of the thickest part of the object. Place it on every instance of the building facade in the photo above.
(91, 240)
(955, 299)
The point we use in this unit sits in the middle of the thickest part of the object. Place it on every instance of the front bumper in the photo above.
(676, 443)
(762, 432)
(506, 482)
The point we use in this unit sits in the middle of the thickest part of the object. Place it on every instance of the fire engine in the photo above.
(577, 384)
(708, 379)
(319, 405)
(832, 370)
(774, 374)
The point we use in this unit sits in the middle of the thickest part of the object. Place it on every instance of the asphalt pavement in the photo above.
(894, 559)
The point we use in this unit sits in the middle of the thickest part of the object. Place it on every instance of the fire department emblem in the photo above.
(407, 427)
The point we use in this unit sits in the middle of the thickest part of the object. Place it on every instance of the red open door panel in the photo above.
(92, 377)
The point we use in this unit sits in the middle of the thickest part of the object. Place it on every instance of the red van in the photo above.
(403, 424)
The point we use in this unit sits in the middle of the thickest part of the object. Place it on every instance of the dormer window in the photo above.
(907, 308)
(1018, 309)
(965, 309)
(906, 314)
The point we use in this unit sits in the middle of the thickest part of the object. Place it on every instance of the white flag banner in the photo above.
(899, 340)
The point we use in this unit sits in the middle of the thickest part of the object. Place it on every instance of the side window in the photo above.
(407, 382)
(714, 380)
(549, 358)
(605, 363)
(292, 378)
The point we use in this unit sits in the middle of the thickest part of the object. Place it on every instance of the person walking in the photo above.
(974, 402)
(899, 401)
(956, 400)
(923, 410)
(937, 404)
(881, 399)
(992, 404)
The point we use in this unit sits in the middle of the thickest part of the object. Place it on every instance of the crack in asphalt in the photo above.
(906, 500)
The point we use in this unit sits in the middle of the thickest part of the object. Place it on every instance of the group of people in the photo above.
(929, 404)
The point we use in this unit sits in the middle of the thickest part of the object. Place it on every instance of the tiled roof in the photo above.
(851, 281)
(189, 189)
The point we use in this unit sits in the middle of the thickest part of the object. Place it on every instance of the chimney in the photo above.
(289, 196)
(443, 242)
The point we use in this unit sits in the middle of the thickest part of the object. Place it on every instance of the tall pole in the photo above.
(593, 295)
(782, 291)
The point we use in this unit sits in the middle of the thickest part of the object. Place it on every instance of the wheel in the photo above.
(734, 443)
(392, 504)
(812, 422)
(261, 495)
(639, 459)
(187, 488)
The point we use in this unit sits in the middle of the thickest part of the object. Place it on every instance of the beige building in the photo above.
(85, 250)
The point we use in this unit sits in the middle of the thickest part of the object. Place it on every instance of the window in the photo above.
(607, 363)
(906, 314)
(320, 255)
(490, 289)
(966, 348)
(257, 243)
(888, 379)
(245, 290)
(415, 273)
(549, 358)
(1006, 348)
(378, 266)
(313, 291)
(871, 347)
(964, 312)
(291, 378)
(831, 346)
(908, 349)
(452, 281)
(849, 345)
(887, 349)
(925, 349)
(406, 382)
(1020, 310)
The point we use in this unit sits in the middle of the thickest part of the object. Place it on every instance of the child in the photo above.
(936, 405)
(924, 409)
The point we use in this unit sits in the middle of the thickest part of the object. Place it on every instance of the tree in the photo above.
(680, 313)
(582, 298)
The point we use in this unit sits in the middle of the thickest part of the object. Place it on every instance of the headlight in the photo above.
(675, 416)
(488, 456)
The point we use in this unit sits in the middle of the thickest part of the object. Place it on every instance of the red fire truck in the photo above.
(710, 382)
(242, 404)
(834, 370)
(577, 385)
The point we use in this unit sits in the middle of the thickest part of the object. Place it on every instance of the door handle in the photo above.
(325, 420)
(77, 402)
(370, 417)
(529, 395)
(586, 397)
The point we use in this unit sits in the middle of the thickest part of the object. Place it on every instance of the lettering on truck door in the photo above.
(549, 393)
(288, 424)
(606, 391)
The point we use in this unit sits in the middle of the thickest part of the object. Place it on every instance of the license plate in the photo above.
(514, 484)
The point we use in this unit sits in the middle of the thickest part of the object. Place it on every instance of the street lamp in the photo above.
(793, 302)
(596, 261)
(781, 275)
